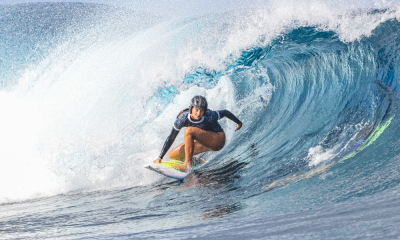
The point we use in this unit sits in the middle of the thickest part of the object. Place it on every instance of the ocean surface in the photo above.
(89, 93)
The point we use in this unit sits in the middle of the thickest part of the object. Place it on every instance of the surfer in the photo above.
(203, 133)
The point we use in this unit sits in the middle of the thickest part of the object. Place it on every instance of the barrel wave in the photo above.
(89, 93)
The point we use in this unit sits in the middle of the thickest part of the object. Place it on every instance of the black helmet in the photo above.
(199, 102)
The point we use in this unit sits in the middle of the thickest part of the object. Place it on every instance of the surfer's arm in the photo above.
(168, 143)
(228, 114)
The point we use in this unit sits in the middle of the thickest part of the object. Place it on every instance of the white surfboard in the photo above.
(165, 168)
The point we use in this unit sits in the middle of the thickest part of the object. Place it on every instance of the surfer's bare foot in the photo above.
(183, 167)
(158, 160)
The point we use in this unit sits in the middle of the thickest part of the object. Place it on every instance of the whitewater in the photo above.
(89, 93)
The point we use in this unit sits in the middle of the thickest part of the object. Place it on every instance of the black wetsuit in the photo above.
(208, 122)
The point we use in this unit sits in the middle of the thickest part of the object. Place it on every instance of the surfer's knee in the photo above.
(189, 131)
(171, 155)
(177, 152)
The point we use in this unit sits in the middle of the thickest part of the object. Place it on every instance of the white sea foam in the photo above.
(348, 137)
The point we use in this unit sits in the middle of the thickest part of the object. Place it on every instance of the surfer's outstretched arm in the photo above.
(168, 143)
(229, 115)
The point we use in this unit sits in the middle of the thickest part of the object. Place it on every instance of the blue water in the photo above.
(88, 94)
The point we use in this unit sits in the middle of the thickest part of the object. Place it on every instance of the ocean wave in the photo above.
(96, 98)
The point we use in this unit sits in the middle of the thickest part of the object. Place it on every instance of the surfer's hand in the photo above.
(158, 160)
(238, 126)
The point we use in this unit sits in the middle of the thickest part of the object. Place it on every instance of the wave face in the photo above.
(89, 94)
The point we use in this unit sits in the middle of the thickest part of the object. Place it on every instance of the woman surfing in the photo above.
(203, 133)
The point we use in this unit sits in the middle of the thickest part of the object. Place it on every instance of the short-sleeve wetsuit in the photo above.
(208, 122)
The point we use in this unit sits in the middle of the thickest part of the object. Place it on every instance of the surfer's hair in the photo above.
(182, 112)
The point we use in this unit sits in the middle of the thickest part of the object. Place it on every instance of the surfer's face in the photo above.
(197, 113)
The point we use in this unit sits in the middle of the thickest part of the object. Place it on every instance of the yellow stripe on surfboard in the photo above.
(169, 163)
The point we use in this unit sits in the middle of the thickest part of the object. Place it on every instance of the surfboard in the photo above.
(165, 168)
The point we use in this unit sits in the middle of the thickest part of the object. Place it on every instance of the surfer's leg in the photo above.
(178, 153)
(209, 139)
(212, 140)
